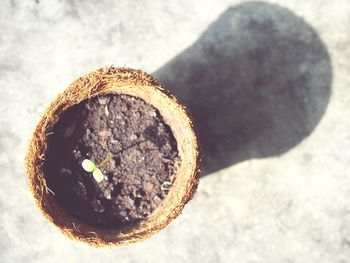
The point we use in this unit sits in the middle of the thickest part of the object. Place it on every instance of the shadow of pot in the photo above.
(257, 82)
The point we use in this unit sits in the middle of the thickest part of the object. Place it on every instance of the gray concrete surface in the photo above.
(267, 84)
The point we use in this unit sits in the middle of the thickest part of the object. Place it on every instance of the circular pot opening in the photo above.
(111, 160)
(114, 158)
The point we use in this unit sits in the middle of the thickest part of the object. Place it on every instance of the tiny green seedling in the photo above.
(91, 167)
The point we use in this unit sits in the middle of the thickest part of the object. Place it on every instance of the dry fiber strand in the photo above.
(112, 80)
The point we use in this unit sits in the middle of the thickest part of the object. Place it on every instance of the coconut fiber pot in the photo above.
(110, 82)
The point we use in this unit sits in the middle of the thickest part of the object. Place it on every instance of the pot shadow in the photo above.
(256, 82)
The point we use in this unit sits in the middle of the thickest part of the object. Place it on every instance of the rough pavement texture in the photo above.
(267, 85)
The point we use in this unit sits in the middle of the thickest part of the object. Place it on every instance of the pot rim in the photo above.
(113, 80)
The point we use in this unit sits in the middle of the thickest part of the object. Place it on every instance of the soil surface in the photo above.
(129, 142)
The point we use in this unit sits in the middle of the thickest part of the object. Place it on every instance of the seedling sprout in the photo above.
(91, 167)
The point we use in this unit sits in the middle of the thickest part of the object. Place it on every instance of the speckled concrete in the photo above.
(268, 86)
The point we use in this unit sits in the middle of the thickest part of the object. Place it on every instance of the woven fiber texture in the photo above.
(113, 80)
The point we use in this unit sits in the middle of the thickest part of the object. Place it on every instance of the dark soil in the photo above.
(141, 160)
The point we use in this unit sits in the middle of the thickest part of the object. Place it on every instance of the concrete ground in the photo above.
(268, 86)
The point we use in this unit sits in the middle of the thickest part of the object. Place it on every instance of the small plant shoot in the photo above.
(91, 167)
